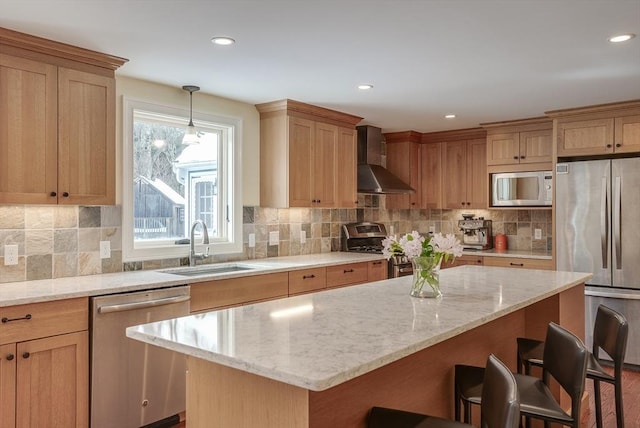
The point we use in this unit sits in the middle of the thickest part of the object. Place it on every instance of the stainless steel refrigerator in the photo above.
(598, 230)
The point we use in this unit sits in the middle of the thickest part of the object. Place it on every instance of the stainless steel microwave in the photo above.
(516, 189)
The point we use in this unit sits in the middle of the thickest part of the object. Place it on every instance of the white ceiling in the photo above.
(484, 60)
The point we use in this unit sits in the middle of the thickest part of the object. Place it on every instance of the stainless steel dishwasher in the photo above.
(134, 384)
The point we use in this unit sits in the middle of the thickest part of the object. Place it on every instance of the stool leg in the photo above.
(519, 364)
(597, 398)
(456, 403)
(467, 412)
(619, 411)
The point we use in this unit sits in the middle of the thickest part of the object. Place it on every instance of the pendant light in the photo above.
(190, 135)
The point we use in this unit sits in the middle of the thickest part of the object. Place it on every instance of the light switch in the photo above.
(274, 238)
(537, 233)
(10, 255)
(432, 229)
(252, 240)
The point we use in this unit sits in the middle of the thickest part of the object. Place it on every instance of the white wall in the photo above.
(171, 96)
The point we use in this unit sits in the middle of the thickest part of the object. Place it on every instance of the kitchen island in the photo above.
(324, 359)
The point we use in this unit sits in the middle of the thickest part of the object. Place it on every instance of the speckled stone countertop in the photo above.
(19, 293)
(320, 340)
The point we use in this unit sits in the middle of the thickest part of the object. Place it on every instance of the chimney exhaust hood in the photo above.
(372, 177)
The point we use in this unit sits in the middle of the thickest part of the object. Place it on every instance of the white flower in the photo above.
(446, 244)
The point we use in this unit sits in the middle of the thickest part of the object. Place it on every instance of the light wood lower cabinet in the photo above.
(520, 263)
(377, 270)
(463, 260)
(44, 365)
(349, 274)
(236, 291)
(307, 280)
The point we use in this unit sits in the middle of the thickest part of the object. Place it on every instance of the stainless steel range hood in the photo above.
(372, 177)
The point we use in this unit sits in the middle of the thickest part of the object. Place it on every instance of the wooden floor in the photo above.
(631, 399)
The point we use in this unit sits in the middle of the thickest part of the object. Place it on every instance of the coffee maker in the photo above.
(476, 233)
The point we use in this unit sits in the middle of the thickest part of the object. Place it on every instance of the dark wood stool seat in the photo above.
(500, 408)
(565, 359)
(610, 333)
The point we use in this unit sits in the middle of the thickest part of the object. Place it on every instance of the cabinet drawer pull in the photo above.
(26, 355)
(9, 357)
(308, 276)
(6, 320)
(348, 271)
(377, 263)
(517, 264)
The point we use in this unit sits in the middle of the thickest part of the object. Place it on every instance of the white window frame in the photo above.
(151, 251)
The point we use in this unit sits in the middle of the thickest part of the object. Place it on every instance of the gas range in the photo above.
(367, 238)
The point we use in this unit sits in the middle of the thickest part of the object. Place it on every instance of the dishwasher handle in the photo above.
(142, 305)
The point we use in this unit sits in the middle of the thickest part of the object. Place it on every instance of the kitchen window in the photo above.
(168, 185)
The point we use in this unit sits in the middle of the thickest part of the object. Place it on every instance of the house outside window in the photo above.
(168, 185)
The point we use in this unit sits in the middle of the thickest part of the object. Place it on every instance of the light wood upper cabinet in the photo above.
(597, 130)
(346, 157)
(57, 117)
(403, 161)
(307, 156)
(431, 175)
(520, 142)
(86, 139)
(28, 130)
(465, 180)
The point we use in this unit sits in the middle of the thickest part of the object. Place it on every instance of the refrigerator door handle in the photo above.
(604, 229)
(616, 221)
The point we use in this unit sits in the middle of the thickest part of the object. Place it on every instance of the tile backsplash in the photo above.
(64, 241)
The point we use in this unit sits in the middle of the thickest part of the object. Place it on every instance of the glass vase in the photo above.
(426, 277)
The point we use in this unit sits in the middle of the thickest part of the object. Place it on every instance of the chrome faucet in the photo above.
(193, 256)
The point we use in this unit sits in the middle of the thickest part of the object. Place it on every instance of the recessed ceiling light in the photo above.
(622, 38)
(449, 116)
(365, 86)
(223, 41)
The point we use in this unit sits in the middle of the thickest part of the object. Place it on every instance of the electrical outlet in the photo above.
(303, 236)
(392, 230)
(537, 233)
(105, 249)
(252, 240)
(432, 229)
(10, 255)
(274, 238)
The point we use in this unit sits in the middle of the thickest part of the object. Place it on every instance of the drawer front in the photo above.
(463, 260)
(33, 321)
(307, 280)
(519, 263)
(353, 273)
(236, 291)
(377, 270)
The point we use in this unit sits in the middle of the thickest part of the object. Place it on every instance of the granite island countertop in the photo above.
(320, 340)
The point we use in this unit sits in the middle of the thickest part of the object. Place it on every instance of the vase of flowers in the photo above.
(426, 255)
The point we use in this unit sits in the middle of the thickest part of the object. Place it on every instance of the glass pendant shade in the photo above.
(190, 134)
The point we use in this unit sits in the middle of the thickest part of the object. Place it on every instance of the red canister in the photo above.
(500, 242)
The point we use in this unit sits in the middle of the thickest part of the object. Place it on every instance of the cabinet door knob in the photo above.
(65, 194)
(609, 146)
(515, 157)
(9, 357)
(26, 355)
(618, 145)
(522, 157)
(53, 194)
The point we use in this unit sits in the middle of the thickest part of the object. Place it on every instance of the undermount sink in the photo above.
(209, 269)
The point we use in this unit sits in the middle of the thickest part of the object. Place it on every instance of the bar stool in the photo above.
(501, 408)
(565, 358)
(609, 334)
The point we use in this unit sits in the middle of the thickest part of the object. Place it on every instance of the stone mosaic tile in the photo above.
(13, 273)
(113, 263)
(38, 241)
(110, 216)
(12, 217)
(39, 217)
(65, 265)
(248, 215)
(89, 239)
(65, 217)
(65, 241)
(89, 217)
(89, 263)
(113, 235)
(12, 237)
(39, 266)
